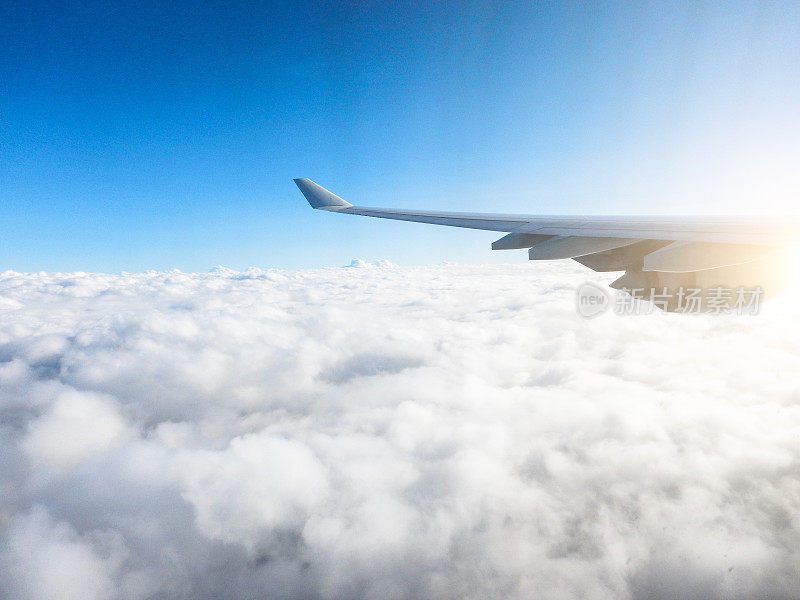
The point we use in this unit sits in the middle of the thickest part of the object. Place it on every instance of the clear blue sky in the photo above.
(154, 135)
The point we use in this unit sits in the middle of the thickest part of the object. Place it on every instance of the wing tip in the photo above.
(318, 196)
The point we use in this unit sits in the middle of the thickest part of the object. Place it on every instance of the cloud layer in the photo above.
(389, 432)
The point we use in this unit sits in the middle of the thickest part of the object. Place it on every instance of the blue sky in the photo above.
(166, 135)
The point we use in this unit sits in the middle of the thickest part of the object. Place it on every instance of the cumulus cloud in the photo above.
(450, 431)
(44, 559)
(77, 426)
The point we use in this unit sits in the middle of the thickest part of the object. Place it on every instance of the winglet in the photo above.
(319, 197)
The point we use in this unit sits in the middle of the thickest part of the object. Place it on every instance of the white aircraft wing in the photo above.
(644, 247)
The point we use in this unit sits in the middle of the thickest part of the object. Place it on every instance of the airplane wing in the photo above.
(652, 250)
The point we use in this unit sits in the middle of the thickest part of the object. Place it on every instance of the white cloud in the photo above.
(77, 425)
(44, 559)
(432, 432)
(259, 483)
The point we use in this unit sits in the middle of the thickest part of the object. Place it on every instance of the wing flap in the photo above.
(666, 232)
(572, 246)
(685, 257)
(517, 241)
(620, 259)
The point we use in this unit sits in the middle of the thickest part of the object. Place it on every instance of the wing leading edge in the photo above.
(654, 252)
